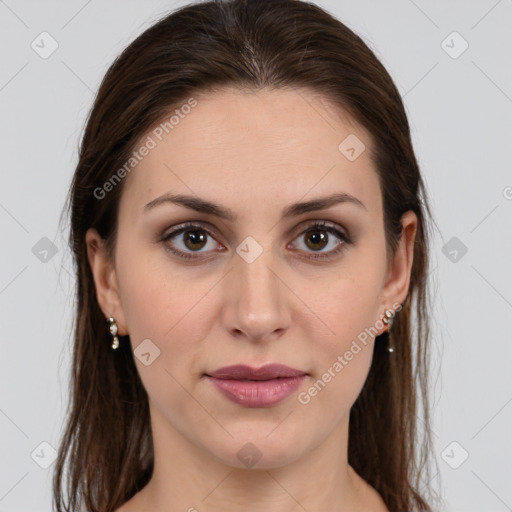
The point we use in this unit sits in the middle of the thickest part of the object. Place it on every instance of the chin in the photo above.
(259, 450)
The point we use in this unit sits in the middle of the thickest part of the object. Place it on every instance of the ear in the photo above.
(105, 280)
(398, 276)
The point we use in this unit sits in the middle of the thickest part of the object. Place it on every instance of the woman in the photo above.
(250, 232)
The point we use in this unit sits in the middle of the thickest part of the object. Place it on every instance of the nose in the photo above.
(256, 307)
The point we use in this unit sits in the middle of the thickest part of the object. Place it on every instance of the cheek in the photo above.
(349, 306)
(166, 306)
(347, 309)
(171, 312)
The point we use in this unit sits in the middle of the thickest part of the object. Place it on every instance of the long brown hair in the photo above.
(106, 452)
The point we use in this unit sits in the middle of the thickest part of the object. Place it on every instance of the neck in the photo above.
(188, 478)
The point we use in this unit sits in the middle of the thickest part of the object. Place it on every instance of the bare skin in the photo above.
(368, 498)
(254, 153)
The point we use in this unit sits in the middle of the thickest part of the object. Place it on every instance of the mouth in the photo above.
(256, 387)
(245, 372)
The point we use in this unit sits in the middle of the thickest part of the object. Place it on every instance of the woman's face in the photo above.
(256, 287)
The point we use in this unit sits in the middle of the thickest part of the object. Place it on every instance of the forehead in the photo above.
(248, 147)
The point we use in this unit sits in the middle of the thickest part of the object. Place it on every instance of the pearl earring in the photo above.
(113, 331)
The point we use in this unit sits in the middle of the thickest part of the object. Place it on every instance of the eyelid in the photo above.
(321, 223)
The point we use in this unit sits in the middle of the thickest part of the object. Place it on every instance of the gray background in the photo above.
(460, 109)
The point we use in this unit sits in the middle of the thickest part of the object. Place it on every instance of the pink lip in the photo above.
(256, 387)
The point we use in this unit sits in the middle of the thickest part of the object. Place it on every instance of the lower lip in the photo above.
(257, 393)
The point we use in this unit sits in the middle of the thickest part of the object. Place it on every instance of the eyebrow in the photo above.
(208, 207)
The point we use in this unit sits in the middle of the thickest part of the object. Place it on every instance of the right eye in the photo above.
(190, 237)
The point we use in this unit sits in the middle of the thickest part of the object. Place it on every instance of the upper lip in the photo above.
(245, 372)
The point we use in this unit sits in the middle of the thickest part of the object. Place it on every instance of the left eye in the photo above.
(318, 238)
(196, 238)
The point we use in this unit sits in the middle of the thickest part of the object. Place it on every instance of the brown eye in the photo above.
(194, 239)
(318, 239)
(320, 236)
(189, 239)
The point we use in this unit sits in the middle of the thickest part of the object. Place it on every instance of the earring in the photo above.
(113, 332)
(388, 320)
(389, 317)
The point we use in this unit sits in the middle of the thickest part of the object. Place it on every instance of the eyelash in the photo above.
(317, 225)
